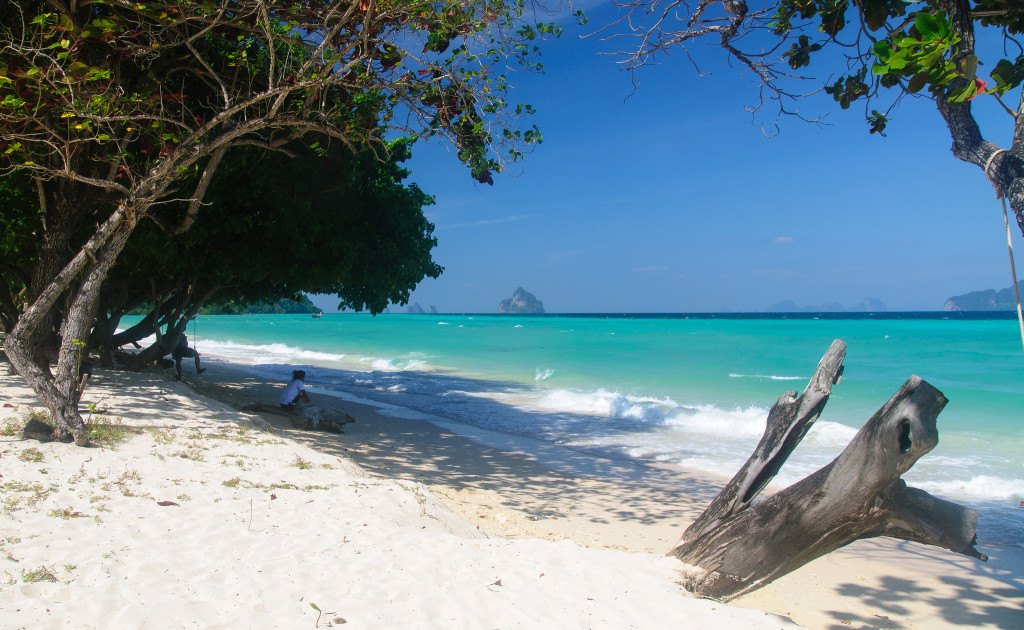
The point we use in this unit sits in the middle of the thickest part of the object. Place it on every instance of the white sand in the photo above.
(266, 526)
(400, 523)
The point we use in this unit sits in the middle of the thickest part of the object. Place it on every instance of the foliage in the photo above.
(127, 87)
(301, 304)
(19, 222)
(282, 306)
(356, 231)
(901, 47)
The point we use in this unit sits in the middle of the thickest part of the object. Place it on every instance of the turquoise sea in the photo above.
(687, 390)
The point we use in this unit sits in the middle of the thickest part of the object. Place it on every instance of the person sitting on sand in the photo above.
(295, 391)
(182, 350)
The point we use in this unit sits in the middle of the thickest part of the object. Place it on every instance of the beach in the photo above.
(197, 514)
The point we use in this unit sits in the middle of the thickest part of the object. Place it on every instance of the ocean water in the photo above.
(692, 391)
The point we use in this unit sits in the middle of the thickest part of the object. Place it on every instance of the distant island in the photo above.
(416, 309)
(988, 300)
(522, 302)
(868, 305)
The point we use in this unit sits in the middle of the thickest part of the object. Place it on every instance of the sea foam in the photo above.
(274, 352)
(397, 365)
(981, 486)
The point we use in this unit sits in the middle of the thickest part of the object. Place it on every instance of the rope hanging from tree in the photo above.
(1009, 242)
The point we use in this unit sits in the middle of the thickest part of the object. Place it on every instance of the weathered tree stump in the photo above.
(738, 546)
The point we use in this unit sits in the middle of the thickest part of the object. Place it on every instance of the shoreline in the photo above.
(521, 491)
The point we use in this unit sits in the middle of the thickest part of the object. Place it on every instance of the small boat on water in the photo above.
(318, 315)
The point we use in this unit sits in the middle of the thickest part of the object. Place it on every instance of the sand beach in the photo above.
(192, 513)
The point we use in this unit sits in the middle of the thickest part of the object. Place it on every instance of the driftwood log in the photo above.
(737, 546)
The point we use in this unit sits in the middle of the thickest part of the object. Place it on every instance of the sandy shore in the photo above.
(399, 522)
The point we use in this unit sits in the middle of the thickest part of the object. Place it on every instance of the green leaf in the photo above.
(927, 25)
(898, 61)
(882, 50)
(970, 67)
(917, 82)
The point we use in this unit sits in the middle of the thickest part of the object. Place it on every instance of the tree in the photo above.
(882, 50)
(356, 231)
(109, 105)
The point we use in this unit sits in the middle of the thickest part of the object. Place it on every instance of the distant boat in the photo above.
(318, 315)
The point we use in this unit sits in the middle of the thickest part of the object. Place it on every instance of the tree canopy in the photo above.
(355, 231)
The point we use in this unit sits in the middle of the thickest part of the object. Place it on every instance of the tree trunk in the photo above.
(738, 546)
(788, 421)
(175, 318)
(60, 391)
(103, 331)
(56, 249)
(147, 326)
(1003, 167)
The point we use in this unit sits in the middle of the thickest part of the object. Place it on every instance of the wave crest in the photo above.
(275, 352)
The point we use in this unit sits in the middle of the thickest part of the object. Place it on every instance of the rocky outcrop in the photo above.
(416, 309)
(868, 305)
(522, 302)
(988, 300)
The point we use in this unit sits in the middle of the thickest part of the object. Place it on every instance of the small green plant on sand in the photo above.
(16, 493)
(66, 514)
(11, 427)
(301, 463)
(162, 436)
(14, 426)
(31, 455)
(195, 453)
(42, 574)
(108, 434)
(233, 482)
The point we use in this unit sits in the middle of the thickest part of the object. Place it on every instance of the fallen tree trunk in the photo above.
(737, 546)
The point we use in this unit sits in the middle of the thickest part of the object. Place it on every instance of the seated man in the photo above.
(295, 391)
(182, 350)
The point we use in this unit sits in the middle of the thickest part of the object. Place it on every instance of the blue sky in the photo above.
(674, 200)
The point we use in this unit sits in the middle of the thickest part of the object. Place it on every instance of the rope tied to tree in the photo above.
(1009, 239)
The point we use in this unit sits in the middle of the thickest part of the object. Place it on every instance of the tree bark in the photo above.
(788, 421)
(59, 391)
(175, 318)
(1003, 167)
(738, 546)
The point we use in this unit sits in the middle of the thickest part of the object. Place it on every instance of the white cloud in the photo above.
(782, 239)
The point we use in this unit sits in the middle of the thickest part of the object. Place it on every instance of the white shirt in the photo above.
(291, 392)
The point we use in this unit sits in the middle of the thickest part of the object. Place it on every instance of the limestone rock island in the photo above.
(522, 302)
